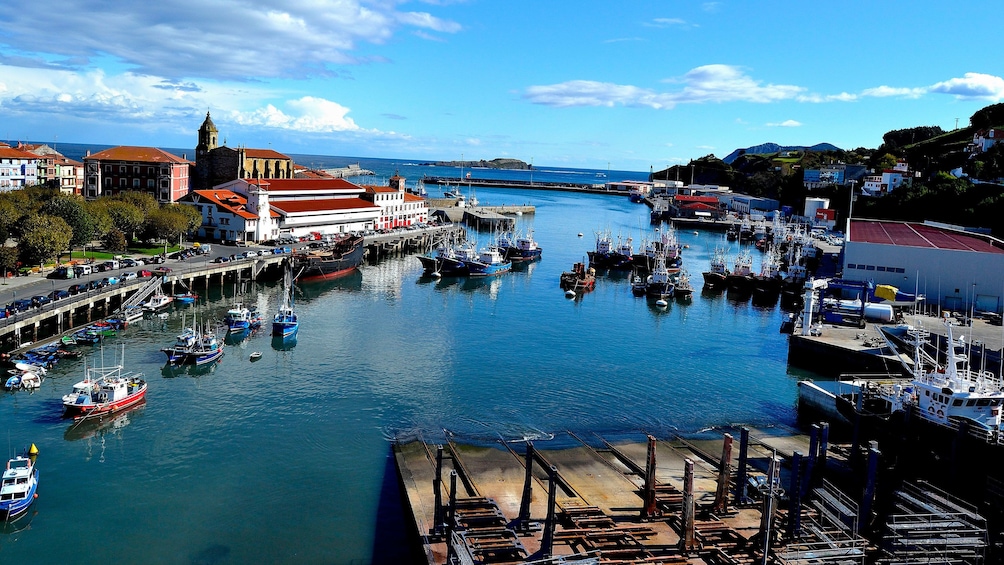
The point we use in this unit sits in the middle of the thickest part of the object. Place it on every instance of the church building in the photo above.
(216, 164)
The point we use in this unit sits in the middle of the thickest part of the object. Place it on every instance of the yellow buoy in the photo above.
(33, 450)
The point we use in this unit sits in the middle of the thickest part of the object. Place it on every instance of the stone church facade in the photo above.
(216, 164)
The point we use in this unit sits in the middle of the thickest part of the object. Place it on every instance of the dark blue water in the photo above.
(288, 458)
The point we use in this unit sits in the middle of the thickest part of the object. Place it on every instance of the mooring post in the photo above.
(766, 532)
(824, 444)
(864, 518)
(724, 474)
(810, 464)
(452, 520)
(742, 497)
(688, 539)
(547, 540)
(648, 509)
(437, 489)
(795, 497)
(523, 522)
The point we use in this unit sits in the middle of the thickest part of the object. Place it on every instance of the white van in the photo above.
(82, 270)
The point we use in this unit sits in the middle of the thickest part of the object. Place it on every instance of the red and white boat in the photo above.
(103, 391)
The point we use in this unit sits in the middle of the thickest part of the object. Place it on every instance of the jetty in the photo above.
(600, 188)
(491, 218)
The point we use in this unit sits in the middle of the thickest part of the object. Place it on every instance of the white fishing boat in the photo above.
(157, 301)
(18, 486)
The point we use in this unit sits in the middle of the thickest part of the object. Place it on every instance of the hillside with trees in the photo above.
(974, 198)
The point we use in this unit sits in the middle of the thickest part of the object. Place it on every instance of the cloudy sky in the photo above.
(633, 84)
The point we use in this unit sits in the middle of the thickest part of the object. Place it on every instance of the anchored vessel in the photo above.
(18, 486)
(337, 260)
(104, 390)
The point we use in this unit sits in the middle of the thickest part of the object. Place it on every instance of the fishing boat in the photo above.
(489, 261)
(683, 291)
(741, 277)
(194, 346)
(520, 248)
(18, 486)
(133, 314)
(579, 279)
(444, 261)
(157, 301)
(608, 256)
(658, 284)
(945, 394)
(104, 390)
(183, 344)
(714, 277)
(240, 318)
(339, 259)
(284, 323)
(638, 284)
(186, 297)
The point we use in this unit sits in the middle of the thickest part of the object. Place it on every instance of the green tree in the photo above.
(43, 239)
(10, 217)
(166, 224)
(142, 200)
(73, 210)
(192, 213)
(125, 217)
(114, 241)
(8, 259)
(987, 117)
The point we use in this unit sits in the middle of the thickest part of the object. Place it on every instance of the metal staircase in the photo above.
(142, 294)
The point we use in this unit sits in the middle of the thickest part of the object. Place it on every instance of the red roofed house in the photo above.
(688, 206)
(216, 164)
(397, 206)
(143, 169)
(236, 210)
(956, 269)
(17, 168)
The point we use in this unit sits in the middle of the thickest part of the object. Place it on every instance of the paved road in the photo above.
(13, 288)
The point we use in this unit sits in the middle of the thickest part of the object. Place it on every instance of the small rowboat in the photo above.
(255, 356)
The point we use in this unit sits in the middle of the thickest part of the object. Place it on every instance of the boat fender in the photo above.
(941, 414)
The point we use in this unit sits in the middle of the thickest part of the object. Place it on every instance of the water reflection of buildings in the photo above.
(386, 277)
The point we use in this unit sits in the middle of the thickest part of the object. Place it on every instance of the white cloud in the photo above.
(667, 22)
(711, 7)
(976, 86)
(709, 83)
(784, 124)
(223, 39)
(890, 91)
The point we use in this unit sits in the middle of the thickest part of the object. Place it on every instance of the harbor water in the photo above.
(288, 459)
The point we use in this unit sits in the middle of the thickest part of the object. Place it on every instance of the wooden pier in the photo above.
(626, 501)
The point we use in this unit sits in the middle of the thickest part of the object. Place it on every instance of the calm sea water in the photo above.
(288, 459)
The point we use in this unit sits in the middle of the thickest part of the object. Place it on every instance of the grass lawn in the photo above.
(105, 255)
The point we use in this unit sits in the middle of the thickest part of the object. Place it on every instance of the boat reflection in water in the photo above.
(170, 371)
(287, 343)
(88, 428)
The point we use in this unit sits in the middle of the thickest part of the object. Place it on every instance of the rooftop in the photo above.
(132, 153)
(910, 234)
(322, 205)
(317, 184)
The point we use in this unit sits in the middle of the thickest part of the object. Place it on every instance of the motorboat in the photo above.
(18, 486)
(104, 390)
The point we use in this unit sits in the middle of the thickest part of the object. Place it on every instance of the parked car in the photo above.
(110, 280)
(77, 289)
(251, 253)
(95, 285)
(221, 260)
(161, 271)
(145, 273)
(127, 263)
(58, 295)
(20, 305)
(156, 260)
(40, 300)
(128, 276)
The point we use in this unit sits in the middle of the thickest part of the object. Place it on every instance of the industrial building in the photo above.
(956, 270)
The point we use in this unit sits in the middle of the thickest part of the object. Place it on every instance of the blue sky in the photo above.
(633, 84)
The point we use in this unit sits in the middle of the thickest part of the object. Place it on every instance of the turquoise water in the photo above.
(286, 459)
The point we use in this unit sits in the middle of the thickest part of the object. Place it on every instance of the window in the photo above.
(135, 170)
(957, 402)
(122, 183)
(870, 268)
(899, 270)
(108, 168)
(880, 268)
(970, 403)
(135, 183)
(122, 169)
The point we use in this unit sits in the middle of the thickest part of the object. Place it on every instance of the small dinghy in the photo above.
(255, 356)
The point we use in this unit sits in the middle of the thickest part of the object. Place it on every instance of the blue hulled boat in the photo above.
(18, 486)
(284, 323)
(490, 261)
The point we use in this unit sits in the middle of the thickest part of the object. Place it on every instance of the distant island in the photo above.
(482, 164)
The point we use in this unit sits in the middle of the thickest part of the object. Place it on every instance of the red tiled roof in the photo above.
(265, 154)
(919, 235)
(279, 185)
(370, 189)
(409, 197)
(228, 200)
(141, 154)
(702, 199)
(321, 205)
(11, 153)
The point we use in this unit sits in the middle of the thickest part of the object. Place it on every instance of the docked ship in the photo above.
(488, 262)
(579, 279)
(17, 486)
(714, 277)
(341, 258)
(103, 391)
(520, 248)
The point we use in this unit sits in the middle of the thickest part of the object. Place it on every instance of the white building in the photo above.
(957, 270)
(888, 181)
(17, 168)
(985, 139)
(397, 206)
(259, 210)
